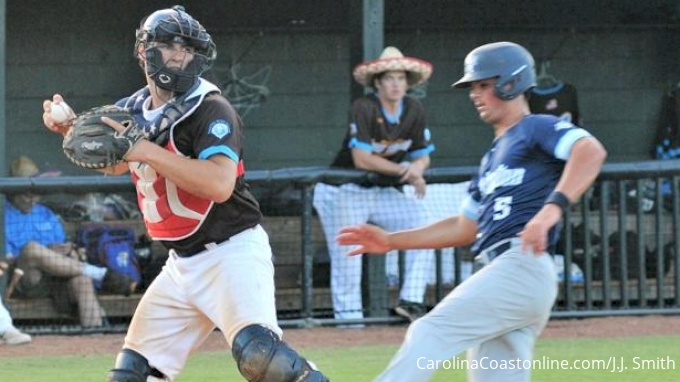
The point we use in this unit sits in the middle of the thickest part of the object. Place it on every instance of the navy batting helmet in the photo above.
(174, 25)
(510, 63)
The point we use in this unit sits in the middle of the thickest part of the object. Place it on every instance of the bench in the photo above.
(287, 300)
(615, 291)
(286, 241)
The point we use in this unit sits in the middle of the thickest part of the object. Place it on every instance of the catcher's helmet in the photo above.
(174, 25)
(510, 63)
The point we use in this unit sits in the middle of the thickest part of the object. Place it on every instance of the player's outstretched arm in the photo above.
(367, 237)
(451, 232)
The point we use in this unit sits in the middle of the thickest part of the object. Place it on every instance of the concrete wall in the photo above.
(620, 69)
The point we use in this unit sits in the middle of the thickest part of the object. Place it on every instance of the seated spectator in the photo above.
(10, 335)
(36, 242)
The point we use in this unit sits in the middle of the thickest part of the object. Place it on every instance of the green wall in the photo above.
(621, 72)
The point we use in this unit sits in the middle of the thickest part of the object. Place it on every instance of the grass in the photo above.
(364, 363)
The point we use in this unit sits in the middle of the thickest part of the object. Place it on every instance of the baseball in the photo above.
(61, 113)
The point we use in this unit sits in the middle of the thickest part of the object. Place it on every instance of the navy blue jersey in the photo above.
(516, 175)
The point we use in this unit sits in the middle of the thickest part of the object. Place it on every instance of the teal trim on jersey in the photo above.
(563, 147)
(421, 152)
(357, 144)
(207, 153)
(394, 119)
(469, 208)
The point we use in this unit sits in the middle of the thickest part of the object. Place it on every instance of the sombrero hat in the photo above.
(392, 59)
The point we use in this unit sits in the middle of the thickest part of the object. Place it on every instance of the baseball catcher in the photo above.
(183, 145)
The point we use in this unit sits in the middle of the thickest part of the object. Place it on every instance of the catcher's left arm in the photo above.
(122, 167)
(96, 142)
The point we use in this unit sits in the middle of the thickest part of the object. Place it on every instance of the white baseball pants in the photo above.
(497, 314)
(229, 286)
(387, 207)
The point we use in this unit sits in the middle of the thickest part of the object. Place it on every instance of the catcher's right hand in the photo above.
(91, 143)
(54, 126)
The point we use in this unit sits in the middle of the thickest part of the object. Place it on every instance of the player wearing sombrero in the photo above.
(388, 136)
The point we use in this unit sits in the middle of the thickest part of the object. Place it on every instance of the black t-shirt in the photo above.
(404, 138)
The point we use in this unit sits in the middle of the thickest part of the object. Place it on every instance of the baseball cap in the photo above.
(24, 167)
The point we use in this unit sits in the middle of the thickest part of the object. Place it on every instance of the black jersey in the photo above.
(193, 137)
(401, 137)
(176, 218)
(559, 100)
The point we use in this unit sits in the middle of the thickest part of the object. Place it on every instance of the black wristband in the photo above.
(558, 198)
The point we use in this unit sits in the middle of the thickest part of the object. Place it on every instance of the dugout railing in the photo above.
(620, 238)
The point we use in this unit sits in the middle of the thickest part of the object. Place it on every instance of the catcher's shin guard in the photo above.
(132, 367)
(262, 357)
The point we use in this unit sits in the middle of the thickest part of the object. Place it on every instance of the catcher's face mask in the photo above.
(169, 27)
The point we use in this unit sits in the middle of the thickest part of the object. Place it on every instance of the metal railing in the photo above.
(640, 197)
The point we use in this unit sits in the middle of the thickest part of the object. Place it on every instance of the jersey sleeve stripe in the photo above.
(420, 152)
(470, 208)
(563, 148)
(357, 144)
(207, 153)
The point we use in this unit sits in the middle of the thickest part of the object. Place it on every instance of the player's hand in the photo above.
(414, 176)
(420, 186)
(535, 233)
(368, 238)
(49, 122)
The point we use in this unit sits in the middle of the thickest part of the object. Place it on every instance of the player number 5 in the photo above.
(501, 207)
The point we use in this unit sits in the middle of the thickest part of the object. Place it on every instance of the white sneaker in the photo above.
(15, 337)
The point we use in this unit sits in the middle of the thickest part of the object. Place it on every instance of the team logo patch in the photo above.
(164, 79)
(220, 128)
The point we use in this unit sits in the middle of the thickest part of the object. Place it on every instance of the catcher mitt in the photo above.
(92, 144)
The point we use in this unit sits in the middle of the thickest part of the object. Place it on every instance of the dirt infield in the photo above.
(50, 345)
